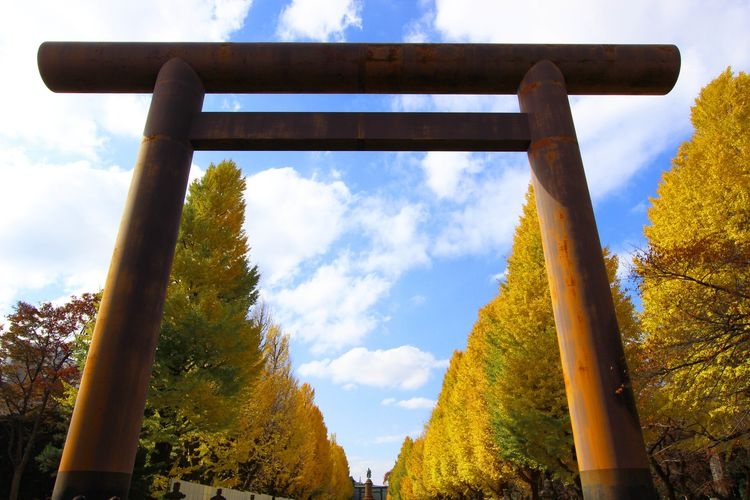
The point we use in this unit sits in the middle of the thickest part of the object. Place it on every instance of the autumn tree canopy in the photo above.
(501, 421)
(695, 285)
(36, 357)
(224, 407)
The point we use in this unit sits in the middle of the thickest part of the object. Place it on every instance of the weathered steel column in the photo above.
(103, 437)
(607, 433)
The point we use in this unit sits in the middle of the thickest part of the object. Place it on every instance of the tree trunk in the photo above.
(20, 465)
(15, 484)
(664, 476)
(531, 477)
(717, 474)
(535, 476)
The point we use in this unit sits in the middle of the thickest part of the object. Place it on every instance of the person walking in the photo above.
(218, 495)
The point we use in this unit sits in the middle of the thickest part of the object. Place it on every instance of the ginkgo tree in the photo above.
(224, 407)
(526, 398)
(397, 474)
(695, 284)
(282, 446)
(501, 421)
(209, 346)
(527, 403)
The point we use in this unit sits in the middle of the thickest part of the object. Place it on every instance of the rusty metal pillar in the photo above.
(102, 440)
(609, 444)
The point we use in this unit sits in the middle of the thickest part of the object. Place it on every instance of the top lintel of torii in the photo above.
(354, 68)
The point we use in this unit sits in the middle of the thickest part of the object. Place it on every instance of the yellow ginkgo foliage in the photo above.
(695, 273)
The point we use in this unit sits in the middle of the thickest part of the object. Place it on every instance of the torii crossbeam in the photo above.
(103, 437)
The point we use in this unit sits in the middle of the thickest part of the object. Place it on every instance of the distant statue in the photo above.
(369, 473)
(175, 494)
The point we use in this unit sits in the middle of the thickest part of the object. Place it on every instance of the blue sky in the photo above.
(374, 263)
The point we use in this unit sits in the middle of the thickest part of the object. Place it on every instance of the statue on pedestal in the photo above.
(368, 486)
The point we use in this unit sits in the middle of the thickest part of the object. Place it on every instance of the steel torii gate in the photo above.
(102, 440)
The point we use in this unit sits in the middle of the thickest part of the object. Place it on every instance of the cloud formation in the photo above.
(61, 195)
(486, 221)
(322, 287)
(405, 367)
(619, 136)
(332, 309)
(319, 21)
(76, 225)
(410, 404)
(446, 173)
(290, 219)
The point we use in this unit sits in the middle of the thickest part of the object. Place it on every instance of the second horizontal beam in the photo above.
(360, 132)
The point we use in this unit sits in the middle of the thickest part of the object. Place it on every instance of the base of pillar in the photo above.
(94, 485)
(610, 484)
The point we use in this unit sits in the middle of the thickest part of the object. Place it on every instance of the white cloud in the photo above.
(61, 237)
(584, 21)
(621, 134)
(618, 135)
(391, 438)
(417, 300)
(445, 173)
(500, 277)
(625, 252)
(410, 404)
(321, 290)
(404, 367)
(125, 115)
(487, 221)
(397, 243)
(320, 21)
(455, 103)
(61, 201)
(76, 124)
(290, 219)
(417, 31)
(332, 309)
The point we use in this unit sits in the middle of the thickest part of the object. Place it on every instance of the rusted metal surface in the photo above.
(609, 444)
(100, 449)
(360, 131)
(358, 68)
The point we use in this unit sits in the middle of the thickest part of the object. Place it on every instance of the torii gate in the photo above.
(102, 440)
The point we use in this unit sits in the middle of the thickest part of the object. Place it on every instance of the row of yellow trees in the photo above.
(223, 408)
(501, 421)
